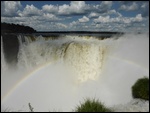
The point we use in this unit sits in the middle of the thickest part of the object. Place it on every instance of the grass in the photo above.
(9, 110)
(141, 89)
(30, 107)
(92, 106)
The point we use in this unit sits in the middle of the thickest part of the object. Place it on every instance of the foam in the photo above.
(58, 74)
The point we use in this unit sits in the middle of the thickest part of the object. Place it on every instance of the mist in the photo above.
(59, 74)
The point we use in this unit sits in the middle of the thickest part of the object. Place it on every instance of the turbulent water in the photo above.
(57, 74)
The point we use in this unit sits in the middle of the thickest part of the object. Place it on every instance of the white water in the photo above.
(72, 68)
(3, 63)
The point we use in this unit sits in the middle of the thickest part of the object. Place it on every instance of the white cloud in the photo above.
(30, 10)
(124, 20)
(145, 9)
(10, 8)
(107, 4)
(64, 9)
(132, 7)
(104, 6)
(48, 16)
(144, 5)
(52, 26)
(84, 19)
(52, 17)
(60, 25)
(75, 7)
(110, 12)
(138, 18)
(50, 8)
(29, 21)
(102, 19)
(98, 26)
(74, 23)
(78, 6)
(93, 15)
(37, 22)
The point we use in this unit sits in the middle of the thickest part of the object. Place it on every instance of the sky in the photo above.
(120, 16)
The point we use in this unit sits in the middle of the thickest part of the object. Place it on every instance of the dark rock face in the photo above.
(11, 47)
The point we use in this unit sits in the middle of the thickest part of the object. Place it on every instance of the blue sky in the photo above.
(124, 16)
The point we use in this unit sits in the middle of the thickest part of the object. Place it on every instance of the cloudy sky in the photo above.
(124, 16)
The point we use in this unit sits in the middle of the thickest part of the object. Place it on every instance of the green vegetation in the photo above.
(141, 89)
(92, 106)
(15, 28)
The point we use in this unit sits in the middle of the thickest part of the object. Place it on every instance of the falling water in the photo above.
(56, 74)
(3, 61)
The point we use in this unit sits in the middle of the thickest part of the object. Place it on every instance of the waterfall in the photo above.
(82, 57)
(3, 60)
(59, 73)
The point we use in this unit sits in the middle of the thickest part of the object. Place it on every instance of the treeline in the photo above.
(81, 32)
(15, 28)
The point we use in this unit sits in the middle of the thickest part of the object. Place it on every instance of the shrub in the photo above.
(141, 89)
(92, 106)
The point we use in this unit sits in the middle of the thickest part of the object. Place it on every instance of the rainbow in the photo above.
(25, 78)
(31, 74)
(132, 63)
